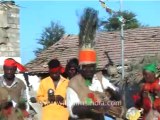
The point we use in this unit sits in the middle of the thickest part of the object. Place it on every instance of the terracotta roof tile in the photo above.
(137, 43)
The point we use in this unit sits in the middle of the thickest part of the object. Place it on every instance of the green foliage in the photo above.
(50, 35)
(88, 25)
(113, 23)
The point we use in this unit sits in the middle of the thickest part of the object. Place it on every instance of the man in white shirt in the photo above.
(87, 88)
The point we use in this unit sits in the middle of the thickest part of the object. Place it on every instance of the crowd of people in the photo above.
(78, 91)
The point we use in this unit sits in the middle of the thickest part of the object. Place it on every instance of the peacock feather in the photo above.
(88, 25)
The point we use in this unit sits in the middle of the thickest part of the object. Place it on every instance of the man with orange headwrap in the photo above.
(87, 88)
(14, 87)
(52, 93)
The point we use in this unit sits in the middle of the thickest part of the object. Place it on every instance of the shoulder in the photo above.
(20, 81)
(99, 74)
(75, 80)
(65, 80)
(45, 80)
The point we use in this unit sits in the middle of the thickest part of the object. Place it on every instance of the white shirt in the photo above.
(72, 97)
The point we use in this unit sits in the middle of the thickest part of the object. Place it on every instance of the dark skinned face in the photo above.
(88, 71)
(149, 76)
(55, 75)
(72, 72)
(9, 72)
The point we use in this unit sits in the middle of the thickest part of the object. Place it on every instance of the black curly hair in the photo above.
(53, 63)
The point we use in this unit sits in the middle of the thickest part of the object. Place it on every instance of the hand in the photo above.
(51, 99)
(59, 99)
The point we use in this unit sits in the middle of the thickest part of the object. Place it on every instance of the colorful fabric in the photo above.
(136, 97)
(53, 110)
(147, 104)
(156, 104)
(89, 101)
(88, 83)
(12, 63)
(92, 96)
(150, 68)
(151, 87)
(108, 10)
(60, 68)
(87, 56)
(78, 92)
(149, 97)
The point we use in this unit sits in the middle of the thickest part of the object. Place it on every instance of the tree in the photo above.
(113, 23)
(88, 25)
(50, 35)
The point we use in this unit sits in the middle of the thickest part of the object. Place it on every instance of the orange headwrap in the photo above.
(12, 63)
(87, 56)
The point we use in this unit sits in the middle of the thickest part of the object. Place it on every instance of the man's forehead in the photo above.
(148, 72)
(89, 65)
(72, 68)
(9, 67)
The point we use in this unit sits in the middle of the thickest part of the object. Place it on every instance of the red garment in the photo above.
(151, 87)
(25, 113)
(147, 87)
(156, 104)
(59, 68)
(147, 103)
(12, 63)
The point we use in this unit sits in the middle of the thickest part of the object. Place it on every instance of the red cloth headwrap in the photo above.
(13, 63)
(10, 63)
(59, 68)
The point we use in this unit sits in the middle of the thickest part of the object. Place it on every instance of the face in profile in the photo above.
(88, 71)
(9, 72)
(149, 76)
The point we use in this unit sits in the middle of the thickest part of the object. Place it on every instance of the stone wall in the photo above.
(9, 30)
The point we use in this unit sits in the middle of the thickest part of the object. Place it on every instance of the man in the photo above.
(87, 88)
(52, 93)
(15, 88)
(72, 68)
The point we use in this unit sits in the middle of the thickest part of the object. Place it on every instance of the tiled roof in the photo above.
(137, 43)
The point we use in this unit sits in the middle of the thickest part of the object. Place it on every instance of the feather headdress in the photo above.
(88, 25)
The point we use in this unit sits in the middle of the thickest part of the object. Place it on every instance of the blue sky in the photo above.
(36, 15)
